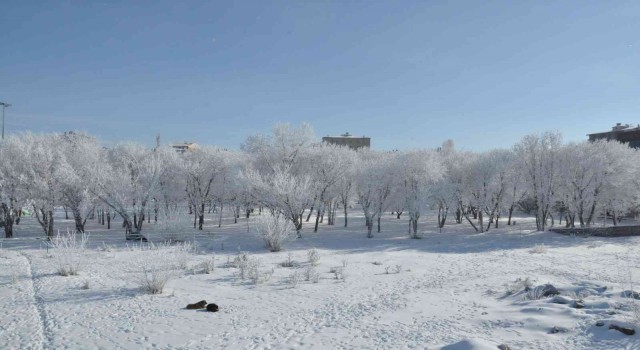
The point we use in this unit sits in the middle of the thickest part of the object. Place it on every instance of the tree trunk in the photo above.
(220, 215)
(510, 214)
(466, 216)
(309, 215)
(201, 217)
(8, 219)
(315, 228)
(195, 219)
(78, 220)
(50, 224)
(369, 228)
(345, 215)
(45, 218)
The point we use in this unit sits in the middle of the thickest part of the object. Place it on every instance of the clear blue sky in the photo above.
(408, 74)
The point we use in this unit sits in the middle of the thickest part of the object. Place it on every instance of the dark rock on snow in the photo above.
(199, 305)
(599, 323)
(631, 294)
(503, 347)
(578, 304)
(559, 299)
(555, 330)
(627, 331)
(549, 290)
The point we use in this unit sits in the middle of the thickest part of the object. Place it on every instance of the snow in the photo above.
(450, 291)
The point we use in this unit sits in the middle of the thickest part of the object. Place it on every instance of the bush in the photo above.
(289, 262)
(313, 257)
(255, 274)
(274, 229)
(157, 264)
(338, 273)
(208, 266)
(311, 275)
(538, 249)
(241, 262)
(182, 252)
(68, 250)
(294, 278)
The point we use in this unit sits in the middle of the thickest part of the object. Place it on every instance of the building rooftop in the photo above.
(618, 128)
(346, 134)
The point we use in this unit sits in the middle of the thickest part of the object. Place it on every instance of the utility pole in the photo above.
(4, 105)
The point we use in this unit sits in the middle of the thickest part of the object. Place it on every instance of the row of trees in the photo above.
(291, 175)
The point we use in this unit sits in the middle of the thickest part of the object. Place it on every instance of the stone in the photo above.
(578, 304)
(599, 323)
(623, 330)
(212, 308)
(556, 329)
(199, 305)
(631, 294)
(503, 347)
(559, 299)
(549, 290)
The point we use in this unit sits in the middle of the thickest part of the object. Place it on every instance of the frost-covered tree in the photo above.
(485, 180)
(516, 189)
(282, 192)
(228, 188)
(418, 172)
(202, 167)
(45, 161)
(172, 182)
(81, 154)
(451, 191)
(327, 165)
(278, 178)
(374, 184)
(12, 182)
(539, 159)
(591, 174)
(127, 181)
(344, 188)
(283, 149)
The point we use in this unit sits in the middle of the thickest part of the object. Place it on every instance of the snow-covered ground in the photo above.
(452, 290)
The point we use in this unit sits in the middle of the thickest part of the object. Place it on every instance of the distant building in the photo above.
(624, 133)
(184, 147)
(347, 139)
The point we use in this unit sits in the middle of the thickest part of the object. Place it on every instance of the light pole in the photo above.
(4, 105)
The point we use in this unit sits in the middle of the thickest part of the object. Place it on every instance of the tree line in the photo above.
(289, 173)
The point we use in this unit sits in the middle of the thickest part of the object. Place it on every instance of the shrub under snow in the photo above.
(68, 250)
(313, 257)
(274, 229)
(157, 264)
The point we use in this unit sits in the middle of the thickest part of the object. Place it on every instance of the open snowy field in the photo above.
(388, 292)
